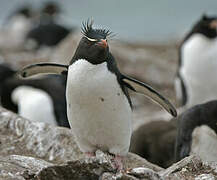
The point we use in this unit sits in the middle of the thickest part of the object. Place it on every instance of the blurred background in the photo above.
(143, 21)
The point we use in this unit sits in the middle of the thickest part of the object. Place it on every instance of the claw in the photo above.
(90, 154)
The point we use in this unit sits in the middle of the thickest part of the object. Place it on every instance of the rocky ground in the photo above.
(37, 151)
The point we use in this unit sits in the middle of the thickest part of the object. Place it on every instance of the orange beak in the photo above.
(103, 43)
(213, 24)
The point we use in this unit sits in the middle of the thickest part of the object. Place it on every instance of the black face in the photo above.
(93, 46)
(25, 11)
(206, 26)
(51, 8)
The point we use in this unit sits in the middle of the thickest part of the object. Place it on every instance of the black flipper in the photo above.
(149, 92)
(43, 68)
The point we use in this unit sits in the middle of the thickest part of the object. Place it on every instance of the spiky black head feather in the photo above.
(93, 46)
(88, 31)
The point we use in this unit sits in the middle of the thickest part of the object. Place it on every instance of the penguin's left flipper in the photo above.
(149, 92)
(43, 68)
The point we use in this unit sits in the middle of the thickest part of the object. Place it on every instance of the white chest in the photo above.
(199, 64)
(199, 54)
(34, 104)
(98, 111)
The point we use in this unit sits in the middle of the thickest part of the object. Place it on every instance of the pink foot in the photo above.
(90, 154)
(118, 162)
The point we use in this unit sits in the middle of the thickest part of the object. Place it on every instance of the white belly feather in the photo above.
(98, 111)
(34, 104)
(199, 69)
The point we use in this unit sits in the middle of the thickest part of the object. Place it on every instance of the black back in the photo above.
(5, 72)
(203, 114)
(48, 34)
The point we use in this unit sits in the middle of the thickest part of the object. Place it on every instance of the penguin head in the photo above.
(207, 26)
(51, 8)
(93, 46)
(25, 11)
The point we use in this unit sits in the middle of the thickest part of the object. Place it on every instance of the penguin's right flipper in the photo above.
(43, 68)
(149, 92)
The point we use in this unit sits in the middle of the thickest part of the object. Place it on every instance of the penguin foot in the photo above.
(90, 154)
(118, 162)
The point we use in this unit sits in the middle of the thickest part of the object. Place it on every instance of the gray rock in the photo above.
(99, 167)
(191, 167)
(20, 167)
(143, 173)
(23, 137)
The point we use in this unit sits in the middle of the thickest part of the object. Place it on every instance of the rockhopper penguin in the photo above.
(98, 104)
(196, 78)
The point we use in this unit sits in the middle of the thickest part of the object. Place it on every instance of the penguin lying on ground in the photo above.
(155, 141)
(98, 104)
(17, 96)
(195, 81)
(193, 137)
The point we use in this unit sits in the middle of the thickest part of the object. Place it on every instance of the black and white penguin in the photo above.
(195, 82)
(48, 32)
(29, 100)
(25, 97)
(98, 105)
(16, 27)
(197, 128)
(155, 141)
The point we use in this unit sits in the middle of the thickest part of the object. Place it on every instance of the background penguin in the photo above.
(98, 104)
(195, 82)
(48, 32)
(17, 26)
(155, 141)
(193, 137)
(52, 85)
(34, 104)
